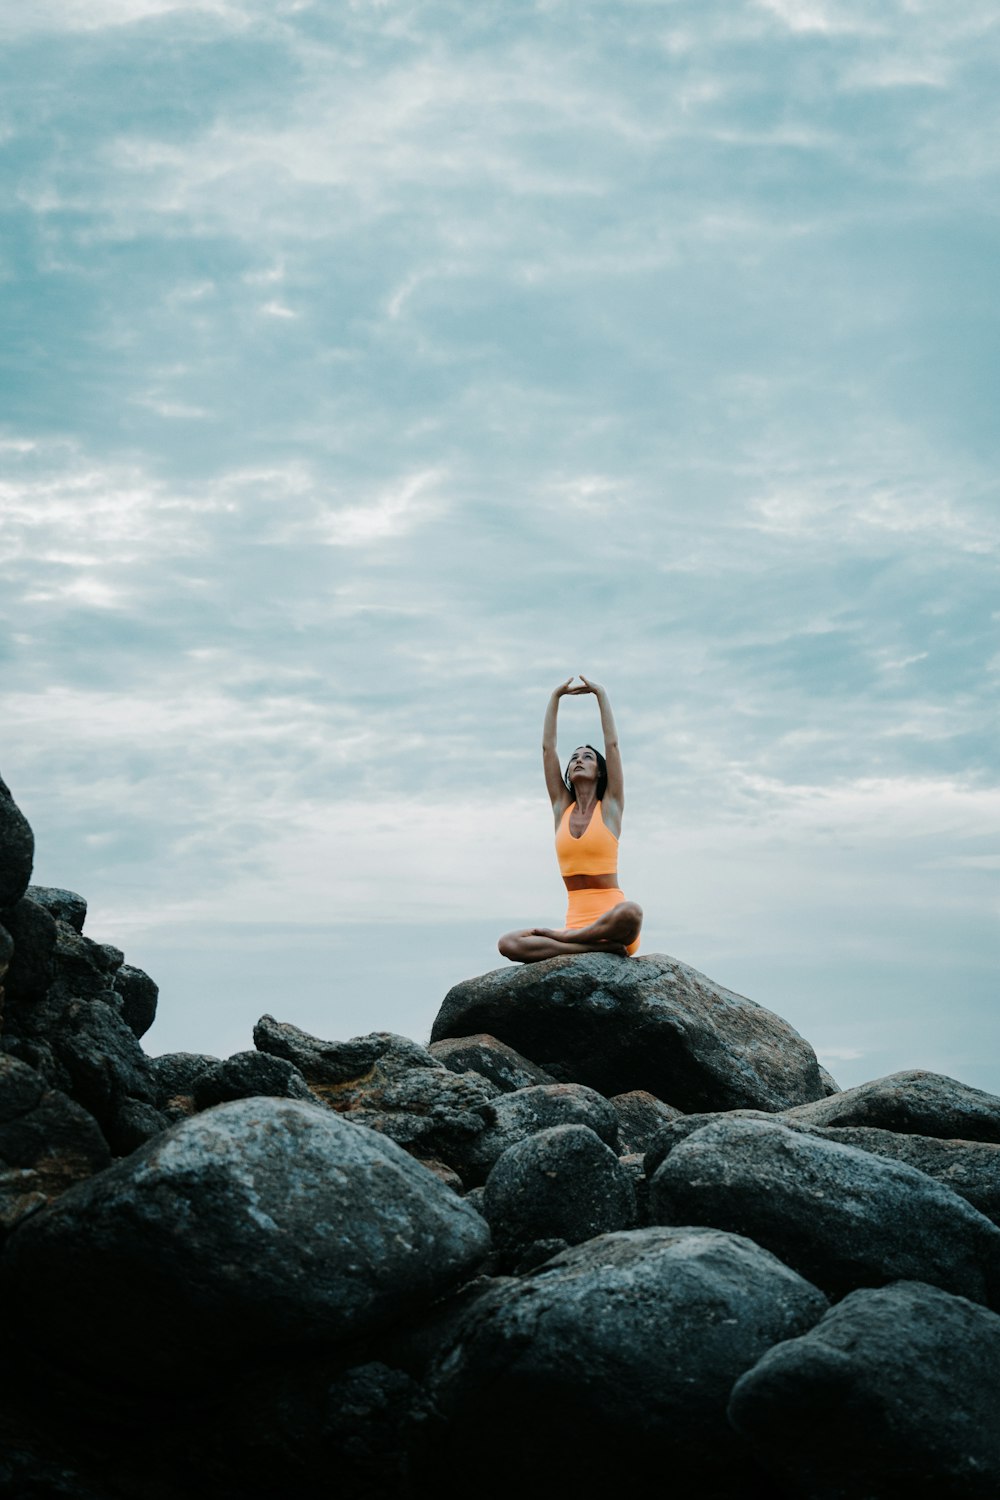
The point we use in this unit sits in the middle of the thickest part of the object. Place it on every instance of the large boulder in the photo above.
(257, 1225)
(515, 1116)
(914, 1100)
(491, 1059)
(17, 849)
(842, 1217)
(617, 1355)
(894, 1394)
(651, 1023)
(47, 1143)
(556, 1188)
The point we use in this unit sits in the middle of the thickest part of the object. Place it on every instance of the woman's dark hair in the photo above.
(602, 774)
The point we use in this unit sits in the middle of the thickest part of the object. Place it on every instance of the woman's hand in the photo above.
(565, 690)
(589, 687)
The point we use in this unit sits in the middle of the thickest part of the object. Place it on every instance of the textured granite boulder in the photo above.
(173, 1075)
(916, 1101)
(894, 1394)
(618, 1354)
(389, 1083)
(561, 1184)
(65, 906)
(246, 1074)
(138, 997)
(260, 1224)
(17, 849)
(969, 1168)
(491, 1059)
(640, 1118)
(109, 1073)
(512, 1117)
(842, 1217)
(47, 1143)
(651, 1023)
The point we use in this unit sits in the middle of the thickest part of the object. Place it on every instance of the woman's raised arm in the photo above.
(554, 784)
(615, 792)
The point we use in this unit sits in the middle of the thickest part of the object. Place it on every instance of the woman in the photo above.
(587, 805)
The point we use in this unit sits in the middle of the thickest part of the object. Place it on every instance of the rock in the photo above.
(561, 1184)
(512, 1117)
(388, 1083)
(47, 1143)
(84, 970)
(246, 1074)
(262, 1224)
(65, 906)
(830, 1085)
(106, 1067)
(17, 850)
(970, 1168)
(173, 1075)
(640, 1118)
(139, 995)
(650, 1023)
(916, 1101)
(618, 1355)
(286, 1430)
(892, 1394)
(491, 1059)
(338, 1064)
(32, 966)
(841, 1217)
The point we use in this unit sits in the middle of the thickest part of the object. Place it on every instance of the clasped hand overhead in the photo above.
(565, 688)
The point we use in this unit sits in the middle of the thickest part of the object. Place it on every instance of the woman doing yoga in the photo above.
(587, 803)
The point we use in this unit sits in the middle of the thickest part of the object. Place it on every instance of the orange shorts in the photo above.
(587, 905)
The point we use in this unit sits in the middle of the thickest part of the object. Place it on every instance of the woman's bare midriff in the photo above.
(591, 882)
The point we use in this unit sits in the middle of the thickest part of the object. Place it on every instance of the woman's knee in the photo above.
(508, 945)
(632, 912)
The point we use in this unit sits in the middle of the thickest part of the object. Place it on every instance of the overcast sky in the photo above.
(369, 368)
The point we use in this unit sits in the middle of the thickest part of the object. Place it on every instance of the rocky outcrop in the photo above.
(611, 1219)
(17, 850)
(255, 1225)
(893, 1392)
(650, 1023)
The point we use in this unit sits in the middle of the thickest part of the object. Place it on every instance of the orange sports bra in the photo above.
(595, 852)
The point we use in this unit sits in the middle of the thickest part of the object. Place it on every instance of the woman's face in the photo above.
(582, 764)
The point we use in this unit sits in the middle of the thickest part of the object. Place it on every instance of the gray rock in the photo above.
(287, 1429)
(173, 1075)
(389, 1083)
(32, 965)
(562, 1184)
(139, 995)
(491, 1059)
(893, 1394)
(830, 1084)
(17, 849)
(916, 1101)
(842, 1217)
(672, 1132)
(619, 1353)
(649, 1023)
(512, 1117)
(246, 1074)
(106, 1067)
(338, 1064)
(47, 1143)
(970, 1168)
(66, 906)
(640, 1118)
(261, 1224)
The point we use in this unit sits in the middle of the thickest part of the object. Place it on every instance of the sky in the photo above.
(368, 369)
